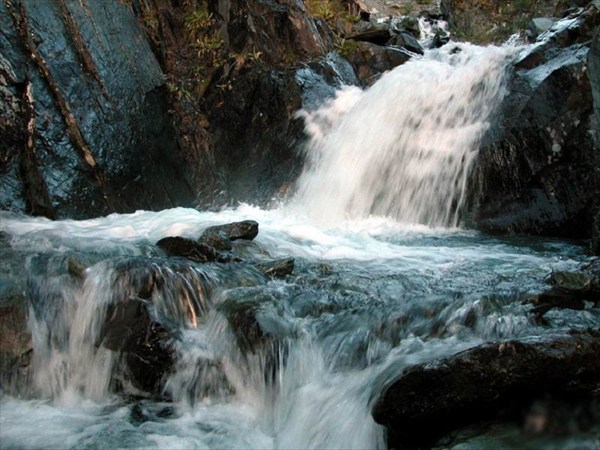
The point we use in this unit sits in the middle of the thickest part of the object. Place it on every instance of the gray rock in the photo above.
(539, 25)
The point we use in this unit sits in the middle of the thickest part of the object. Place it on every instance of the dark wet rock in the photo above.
(188, 248)
(101, 139)
(15, 338)
(217, 240)
(259, 155)
(123, 320)
(319, 80)
(277, 269)
(556, 298)
(220, 237)
(248, 312)
(145, 345)
(595, 242)
(149, 359)
(406, 24)
(572, 281)
(472, 385)
(538, 171)
(570, 290)
(375, 33)
(440, 38)
(407, 41)
(149, 298)
(370, 60)
(276, 29)
(258, 158)
(246, 229)
(241, 316)
(259, 340)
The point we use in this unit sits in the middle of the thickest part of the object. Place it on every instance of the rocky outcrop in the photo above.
(130, 104)
(539, 172)
(84, 99)
(477, 383)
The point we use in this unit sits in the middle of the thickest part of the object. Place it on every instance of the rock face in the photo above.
(539, 172)
(123, 105)
(477, 383)
(84, 100)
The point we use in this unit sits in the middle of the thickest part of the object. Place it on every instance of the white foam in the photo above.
(403, 147)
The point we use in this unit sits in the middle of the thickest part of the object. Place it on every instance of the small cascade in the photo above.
(115, 323)
(403, 148)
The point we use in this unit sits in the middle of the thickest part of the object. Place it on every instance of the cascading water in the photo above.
(251, 362)
(403, 148)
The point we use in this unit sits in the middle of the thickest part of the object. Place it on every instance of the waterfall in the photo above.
(403, 147)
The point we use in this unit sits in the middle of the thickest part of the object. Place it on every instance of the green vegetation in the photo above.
(323, 9)
(198, 22)
(346, 47)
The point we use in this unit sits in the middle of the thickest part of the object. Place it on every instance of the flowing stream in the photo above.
(384, 279)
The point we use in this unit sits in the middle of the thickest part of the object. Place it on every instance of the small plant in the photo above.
(179, 91)
(197, 22)
(208, 47)
(323, 9)
(345, 47)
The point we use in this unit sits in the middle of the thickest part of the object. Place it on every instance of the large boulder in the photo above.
(475, 384)
(538, 172)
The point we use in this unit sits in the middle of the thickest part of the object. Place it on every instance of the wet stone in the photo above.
(246, 229)
(571, 281)
(475, 384)
(187, 248)
(217, 240)
(278, 268)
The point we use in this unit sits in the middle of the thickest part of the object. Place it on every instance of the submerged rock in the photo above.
(475, 384)
(145, 346)
(277, 269)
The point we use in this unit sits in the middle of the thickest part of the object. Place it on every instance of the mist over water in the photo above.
(403, 148)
